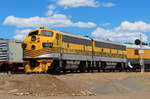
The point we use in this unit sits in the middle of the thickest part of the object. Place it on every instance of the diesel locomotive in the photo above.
(47, 50)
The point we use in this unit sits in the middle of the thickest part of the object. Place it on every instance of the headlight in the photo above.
(24, 45)
(48, 45)
(33, 38)
(33, 47)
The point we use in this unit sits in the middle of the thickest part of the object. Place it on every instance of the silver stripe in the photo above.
(82, 57)
(52, 55)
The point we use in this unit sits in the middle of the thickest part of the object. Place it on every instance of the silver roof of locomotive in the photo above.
(74, 35)
(133, 46)
(87, 38)
(108, 41)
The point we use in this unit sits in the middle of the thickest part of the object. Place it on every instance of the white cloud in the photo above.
(57, 20)
(105, 24)
(109, 4)
(21, 34)
(81, 3)
(135, 27)
(50, 10)
(77, 3)
(25, 31)
(85, 25)
(127, 31)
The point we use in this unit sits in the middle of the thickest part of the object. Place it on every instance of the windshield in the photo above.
(33, 33)
(46, 33)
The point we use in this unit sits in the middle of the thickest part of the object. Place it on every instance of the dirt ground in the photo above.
(144, 95)
(78, 86)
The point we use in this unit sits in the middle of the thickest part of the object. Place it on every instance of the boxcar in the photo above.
(11, 55)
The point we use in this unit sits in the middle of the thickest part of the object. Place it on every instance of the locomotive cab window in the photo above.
(46, 33)
(33, 33)
(136, 52)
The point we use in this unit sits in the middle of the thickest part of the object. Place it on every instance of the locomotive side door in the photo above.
(59, 47)
(59, 41)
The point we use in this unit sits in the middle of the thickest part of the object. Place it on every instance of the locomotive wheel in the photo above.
(82, 67)
(103, 65)
(64, 71)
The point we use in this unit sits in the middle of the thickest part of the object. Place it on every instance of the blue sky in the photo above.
(117, 20)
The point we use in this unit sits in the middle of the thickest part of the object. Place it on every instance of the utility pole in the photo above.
(141, 55)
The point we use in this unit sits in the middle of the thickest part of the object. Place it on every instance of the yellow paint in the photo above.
(44, 64)
(131, 53)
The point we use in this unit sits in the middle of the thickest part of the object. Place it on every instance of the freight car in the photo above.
(133, 56)
(50, 50)
(11, 55)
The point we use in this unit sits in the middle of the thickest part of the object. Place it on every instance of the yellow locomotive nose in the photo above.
(38, 43)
